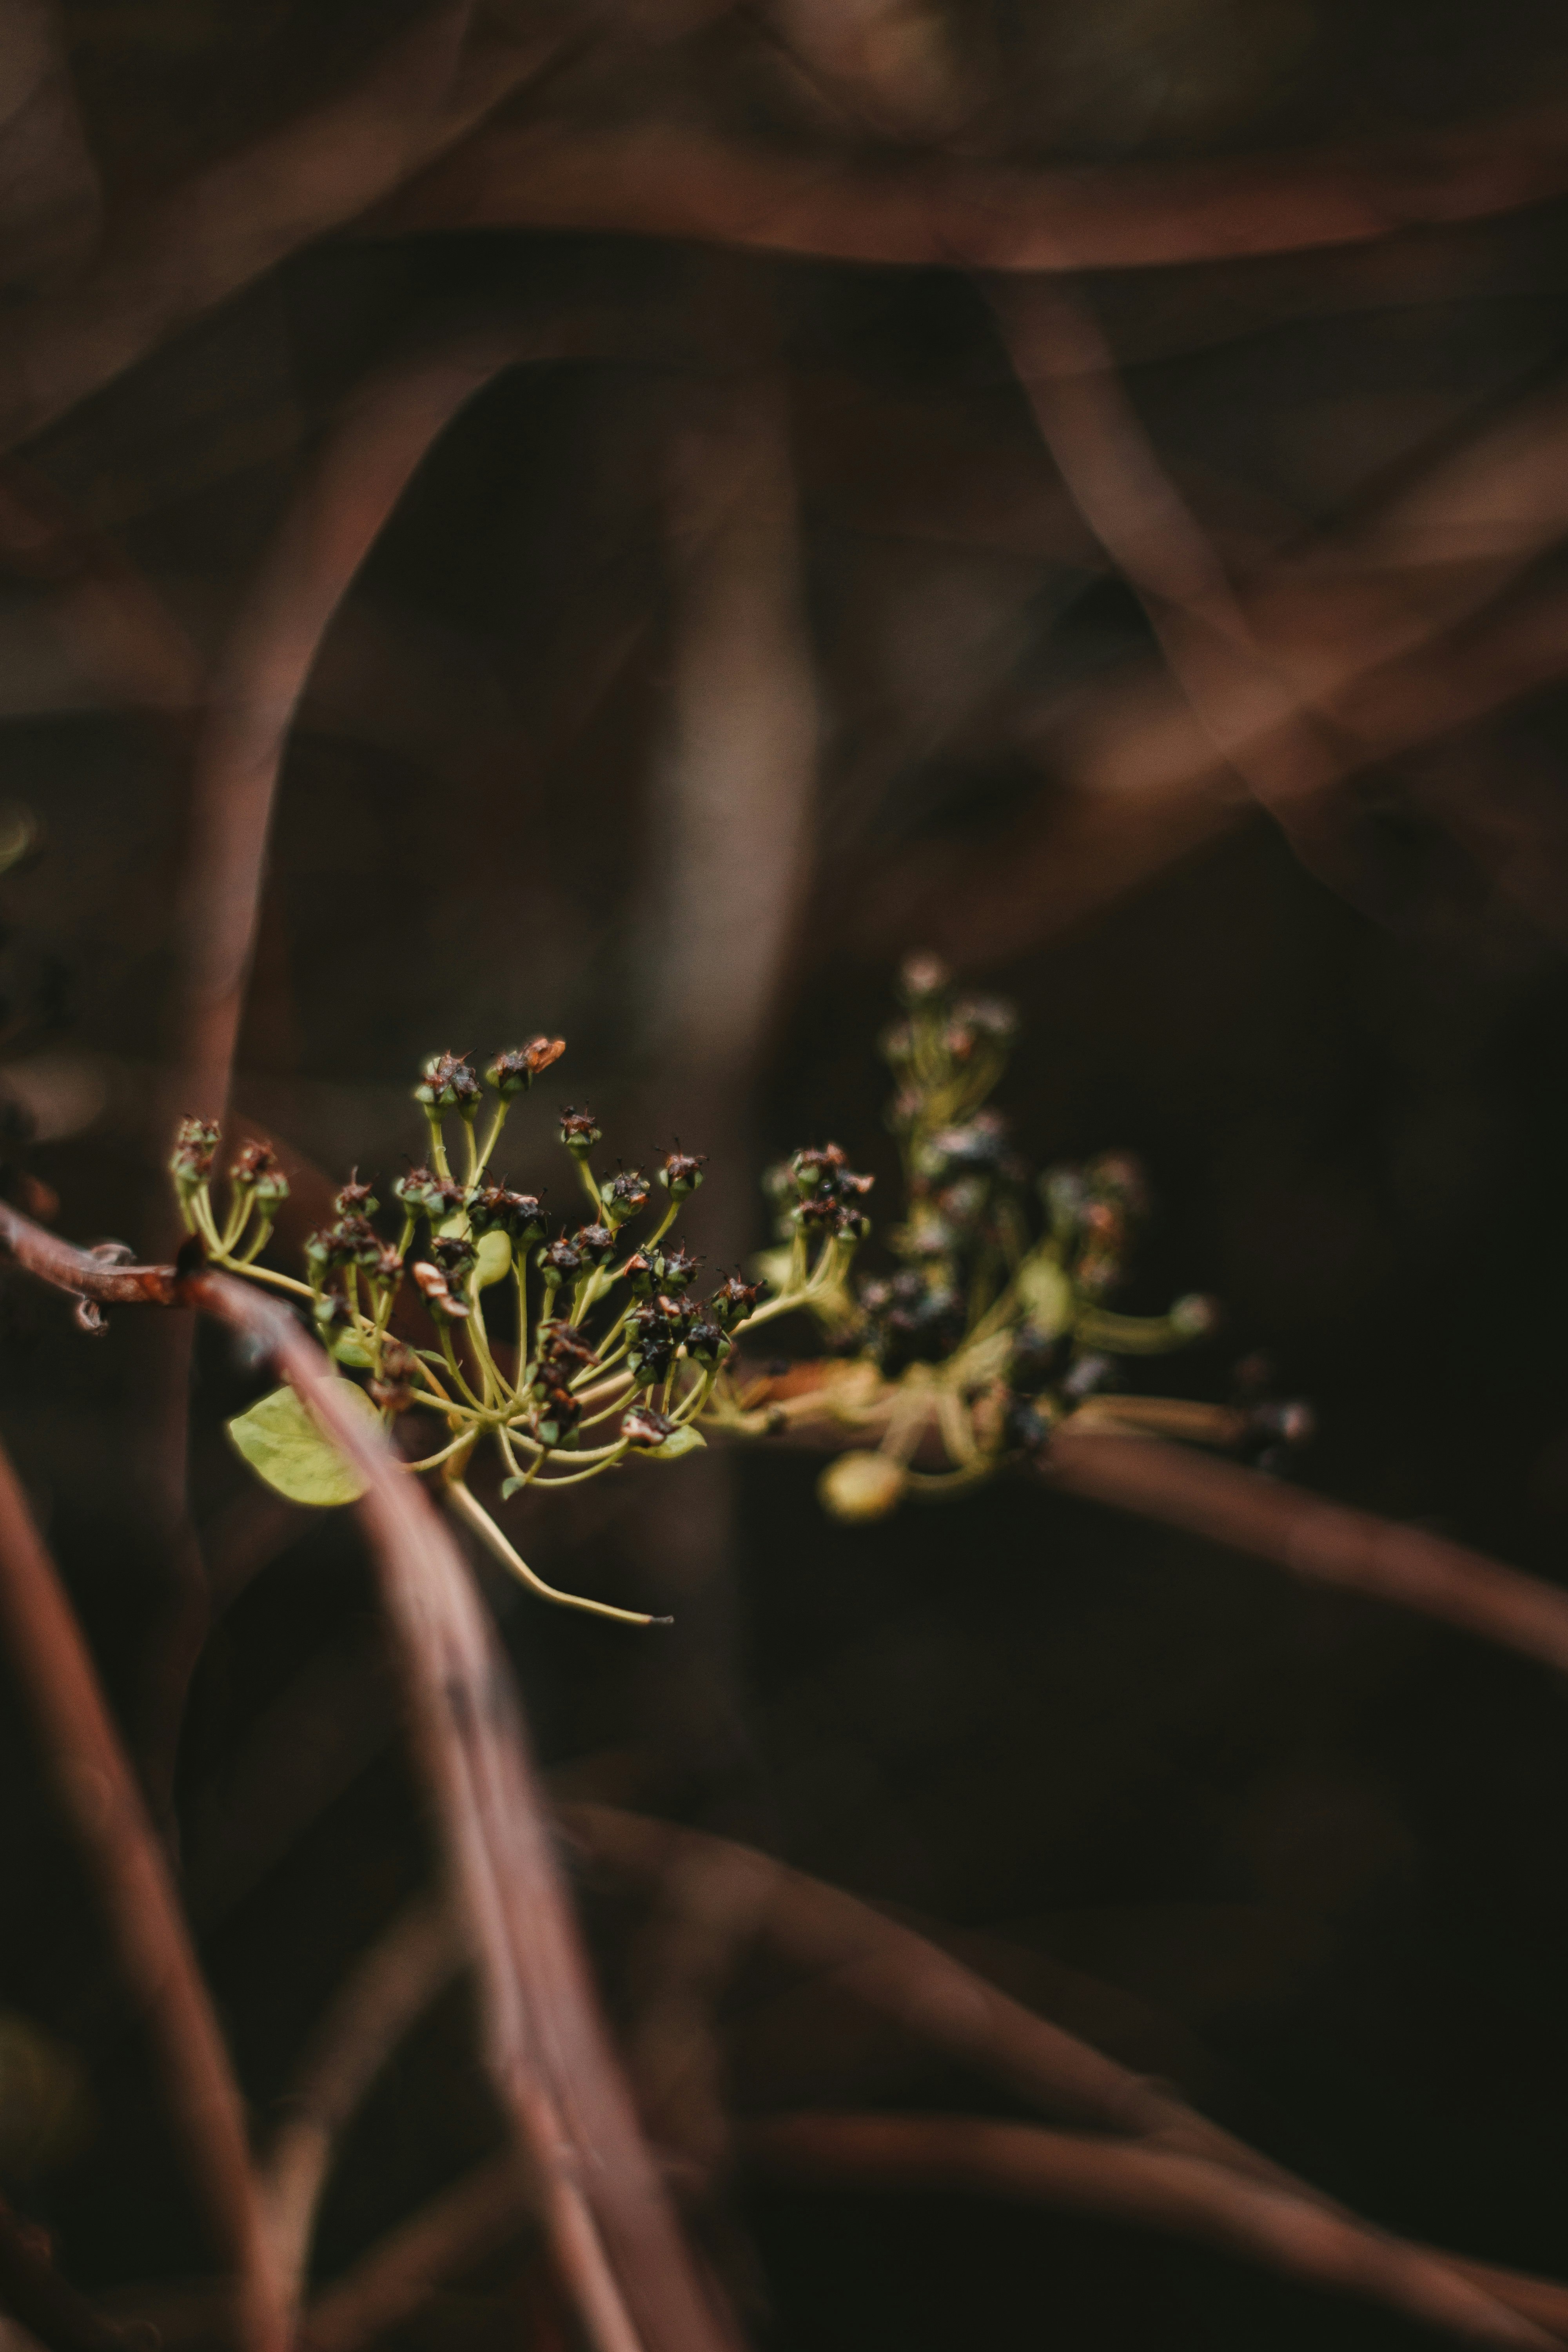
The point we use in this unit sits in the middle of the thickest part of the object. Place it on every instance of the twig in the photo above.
(95, 1788)
(936, 1998)
(32, 2290)
(1179, 2194)
(675, 180)
(392, 1985)
(1252, 715)
(609, 2220)
(1323, 1542)
(1327, 1542)
(201, 241)
(476, 2216)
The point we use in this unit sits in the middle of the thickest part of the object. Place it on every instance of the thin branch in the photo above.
(32, 2290)
(201, 242)
(1326, 1542)
(334, 520)
(1178, 2194)
(936, 1998)
(609, 2220)
(675, 180)
(1321, 1541)
(1252, 715)
(55, 1681)
(478, 2216)
(392, 1985)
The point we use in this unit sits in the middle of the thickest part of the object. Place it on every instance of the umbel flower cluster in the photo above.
(573, 1349)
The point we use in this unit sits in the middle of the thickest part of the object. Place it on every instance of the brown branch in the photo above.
(194, 246)
(677, 181)
(330, 527)
(1323, 1542)
(936, 1998)
(608, 2217)
(56, 1684)
(480, 2214)
(609, 2220)
(1180, 2195)
(32, 2290)
(391, 1986)
(1254, 717)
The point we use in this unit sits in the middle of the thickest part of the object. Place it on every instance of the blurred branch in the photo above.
(479, 2215)
(56, 1684)
(32, 2290)
(675, 180)
(893, 1970)
(49, 185)
(190, 250)
(1323, 1542)
(1148, 2187)
(392, 1985)
(609, 2221)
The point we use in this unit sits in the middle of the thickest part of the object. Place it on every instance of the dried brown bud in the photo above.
(643, 1427)
(356, 1199)
(512, 1073)
(579, 1130)
(433, 1283)
(191, 1161)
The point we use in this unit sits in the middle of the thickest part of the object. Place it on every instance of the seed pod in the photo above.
(448, 1084)
(561, 1343)
(733, 1300)
(594, 1244)
(257, 1171)
(707, 1344)
(497, 1210)
(191, 1161)
(560, 1258)
(682, 1173)
(357, 1199)
(642, 1427)
(454, 1253)
(625, 1196)
(676, 1268)
(579, 1131)
(435, 1197)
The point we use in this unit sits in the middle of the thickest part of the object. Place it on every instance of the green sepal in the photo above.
(493, 1261)
(284, 1447)
(684, 1440)
(352, 1350)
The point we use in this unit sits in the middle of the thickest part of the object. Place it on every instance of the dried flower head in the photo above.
(448, 1084)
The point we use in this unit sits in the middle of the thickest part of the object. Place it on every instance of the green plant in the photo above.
(991, 1327)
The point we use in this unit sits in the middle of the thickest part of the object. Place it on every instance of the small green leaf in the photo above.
(350, 1349)
(509, 1486)
(284, 1446)
(494, 1261)
(684, 1440)
(1047, 1295)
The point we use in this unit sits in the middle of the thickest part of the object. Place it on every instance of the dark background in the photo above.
(1299, 1853)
